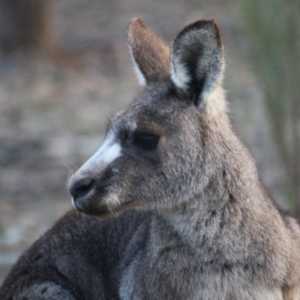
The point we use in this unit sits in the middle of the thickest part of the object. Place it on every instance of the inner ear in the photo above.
(197, 59)
(150, 54)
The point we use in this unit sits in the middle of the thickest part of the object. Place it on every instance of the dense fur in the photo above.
(187, 217)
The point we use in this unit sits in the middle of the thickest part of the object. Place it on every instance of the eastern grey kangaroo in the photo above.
(171, 206)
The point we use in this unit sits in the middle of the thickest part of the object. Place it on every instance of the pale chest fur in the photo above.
(168, 268)
(166, 278)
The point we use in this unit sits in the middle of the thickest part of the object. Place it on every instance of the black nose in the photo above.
(81, 187)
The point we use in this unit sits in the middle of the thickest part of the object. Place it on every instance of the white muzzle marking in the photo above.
(109, 151)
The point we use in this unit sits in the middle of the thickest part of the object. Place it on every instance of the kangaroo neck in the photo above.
(209, 217)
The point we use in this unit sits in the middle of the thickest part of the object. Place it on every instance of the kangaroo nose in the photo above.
(81, 187)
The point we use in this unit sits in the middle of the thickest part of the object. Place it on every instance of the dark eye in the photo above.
(146, 140)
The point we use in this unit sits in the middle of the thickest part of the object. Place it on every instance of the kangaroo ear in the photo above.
(149, 53)
(197, 60)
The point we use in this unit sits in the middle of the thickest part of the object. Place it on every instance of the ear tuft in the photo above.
(149, 53)
(197, 59)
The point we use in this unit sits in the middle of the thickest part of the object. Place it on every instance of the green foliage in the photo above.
(275, 30)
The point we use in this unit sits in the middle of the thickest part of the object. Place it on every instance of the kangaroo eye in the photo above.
(146, 140)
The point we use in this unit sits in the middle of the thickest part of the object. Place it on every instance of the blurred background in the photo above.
(65, 67)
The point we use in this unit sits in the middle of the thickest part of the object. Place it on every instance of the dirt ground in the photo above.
(53, 110)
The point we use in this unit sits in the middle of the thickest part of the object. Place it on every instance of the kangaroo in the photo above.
(170, 206)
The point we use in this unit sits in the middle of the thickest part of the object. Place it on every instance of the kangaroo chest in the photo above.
(169, 269)
(174, 278)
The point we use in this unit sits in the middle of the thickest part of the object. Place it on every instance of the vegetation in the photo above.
(275, 29)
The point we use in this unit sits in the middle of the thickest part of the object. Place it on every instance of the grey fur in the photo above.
(184, 215)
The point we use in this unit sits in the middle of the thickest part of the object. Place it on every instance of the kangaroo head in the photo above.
(156, 153)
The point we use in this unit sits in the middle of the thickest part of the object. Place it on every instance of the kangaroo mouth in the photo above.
(104, 206)
(101, 211)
